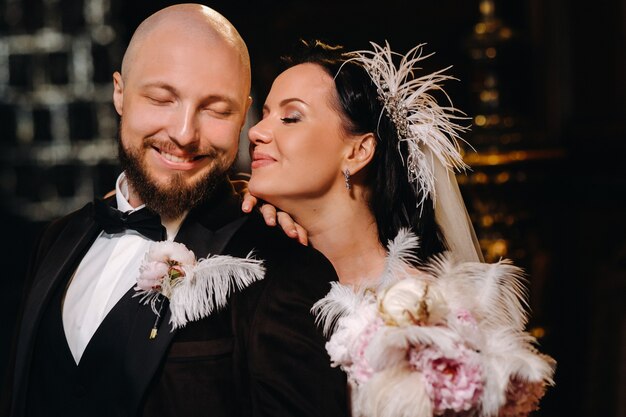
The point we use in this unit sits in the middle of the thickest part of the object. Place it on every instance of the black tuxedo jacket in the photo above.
(261, 356)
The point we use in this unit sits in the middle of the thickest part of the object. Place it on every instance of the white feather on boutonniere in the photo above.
(195, 288)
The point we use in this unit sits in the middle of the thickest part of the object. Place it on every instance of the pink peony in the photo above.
(361, 370)
(172, 253)
(452, 383)
(151, 275)
(522, 398)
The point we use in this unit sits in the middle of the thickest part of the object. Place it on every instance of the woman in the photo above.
(357, 151)
(327, 152)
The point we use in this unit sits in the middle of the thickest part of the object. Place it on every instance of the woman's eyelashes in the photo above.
(292, 118)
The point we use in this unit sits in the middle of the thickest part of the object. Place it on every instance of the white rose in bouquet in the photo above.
(413, 301)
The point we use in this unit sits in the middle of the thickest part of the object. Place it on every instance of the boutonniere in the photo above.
(194, 288)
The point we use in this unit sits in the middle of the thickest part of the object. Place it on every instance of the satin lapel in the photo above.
(204, 241)
(55, 268)
(209, 227)
(206, 230)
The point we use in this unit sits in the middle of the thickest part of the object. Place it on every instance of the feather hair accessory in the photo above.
(421, 123)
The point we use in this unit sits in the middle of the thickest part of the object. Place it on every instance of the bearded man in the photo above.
(85, 346)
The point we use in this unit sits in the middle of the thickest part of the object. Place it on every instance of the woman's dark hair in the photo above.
(392, 198)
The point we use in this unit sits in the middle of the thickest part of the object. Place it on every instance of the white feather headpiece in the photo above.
(428, 129)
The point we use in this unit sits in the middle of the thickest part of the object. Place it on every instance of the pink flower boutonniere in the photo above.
(194, 288)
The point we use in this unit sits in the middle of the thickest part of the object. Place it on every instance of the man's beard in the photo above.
(177, 197)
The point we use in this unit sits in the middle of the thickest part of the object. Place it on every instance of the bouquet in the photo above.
(446, 339)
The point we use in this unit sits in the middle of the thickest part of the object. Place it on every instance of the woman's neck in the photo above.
(345, 231)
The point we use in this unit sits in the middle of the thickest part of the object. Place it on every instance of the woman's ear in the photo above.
(361, 152)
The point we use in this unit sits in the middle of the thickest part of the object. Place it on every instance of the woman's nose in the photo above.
(260, 133)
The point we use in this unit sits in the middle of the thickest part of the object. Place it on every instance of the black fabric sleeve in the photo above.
(42, 244)
(285, 369)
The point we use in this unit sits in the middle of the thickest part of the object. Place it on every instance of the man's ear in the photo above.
(245, 115)
(361, 152)
(118, 92)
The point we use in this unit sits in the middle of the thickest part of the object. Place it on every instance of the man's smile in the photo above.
(178, 159)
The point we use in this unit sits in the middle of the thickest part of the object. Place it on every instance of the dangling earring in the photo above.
(346, 175)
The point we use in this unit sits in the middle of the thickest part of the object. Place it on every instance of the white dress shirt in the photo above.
(108, 270)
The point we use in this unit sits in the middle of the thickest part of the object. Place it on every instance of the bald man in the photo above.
(85, 345)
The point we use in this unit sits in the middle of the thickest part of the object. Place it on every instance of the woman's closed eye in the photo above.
(292, 118)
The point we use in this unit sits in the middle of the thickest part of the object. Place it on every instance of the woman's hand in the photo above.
(270, 214)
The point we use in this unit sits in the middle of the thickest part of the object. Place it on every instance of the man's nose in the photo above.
(184, 126)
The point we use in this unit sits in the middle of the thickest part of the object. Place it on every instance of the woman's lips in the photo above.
(260, 159)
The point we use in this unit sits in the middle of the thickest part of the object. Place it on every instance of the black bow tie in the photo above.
(144, 221)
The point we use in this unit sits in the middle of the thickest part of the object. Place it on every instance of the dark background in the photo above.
(548, 186)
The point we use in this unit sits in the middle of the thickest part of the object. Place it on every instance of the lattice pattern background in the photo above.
(58, 125)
